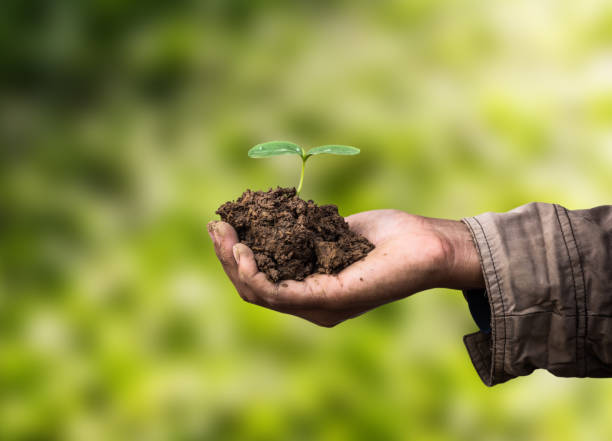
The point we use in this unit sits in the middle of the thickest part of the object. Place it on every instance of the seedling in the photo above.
(275, 148)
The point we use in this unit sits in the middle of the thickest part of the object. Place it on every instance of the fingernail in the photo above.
(220, 230)
(211, 230)
(236, 254)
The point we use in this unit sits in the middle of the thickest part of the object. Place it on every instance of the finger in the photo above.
(376, 225)
(318, 291)
(255, 282)
(249, 275)
(318, 299)
(356, 286)
(224, 238)
(284, 294)
(359, 223)
(247, 267)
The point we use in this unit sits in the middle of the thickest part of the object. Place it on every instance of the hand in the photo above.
(412, 254)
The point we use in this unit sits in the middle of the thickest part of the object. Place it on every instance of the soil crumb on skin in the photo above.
(292, 238)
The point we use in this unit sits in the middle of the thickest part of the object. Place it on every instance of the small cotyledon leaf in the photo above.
(334, 150)
(274, 148)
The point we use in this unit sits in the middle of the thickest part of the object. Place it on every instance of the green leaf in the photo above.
(274, 148)
(334, 150)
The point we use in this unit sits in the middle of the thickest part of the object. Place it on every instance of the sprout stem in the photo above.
(302, 175)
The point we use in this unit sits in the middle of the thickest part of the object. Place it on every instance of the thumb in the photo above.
(245, 259)
(248, 273)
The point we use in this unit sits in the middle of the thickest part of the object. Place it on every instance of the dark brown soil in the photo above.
(292, 238)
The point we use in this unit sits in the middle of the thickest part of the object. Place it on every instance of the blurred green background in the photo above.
(124, 125)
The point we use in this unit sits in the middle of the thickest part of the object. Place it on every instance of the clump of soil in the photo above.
(292, 238)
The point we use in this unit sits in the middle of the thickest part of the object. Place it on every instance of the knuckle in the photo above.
(251, 298)
(255, 286)
(242, 277)
(246, 294)
(270, 301)
(250, 280)
(271, 296)
(242, 295)
(225, 259)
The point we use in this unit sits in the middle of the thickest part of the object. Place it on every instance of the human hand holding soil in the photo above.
(411, 254)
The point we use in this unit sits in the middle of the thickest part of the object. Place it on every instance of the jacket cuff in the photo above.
(531, 267)
(486, 349)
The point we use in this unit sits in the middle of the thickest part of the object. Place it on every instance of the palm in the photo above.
(404, 261)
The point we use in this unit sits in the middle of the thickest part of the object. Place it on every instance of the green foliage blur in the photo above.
(124, 125)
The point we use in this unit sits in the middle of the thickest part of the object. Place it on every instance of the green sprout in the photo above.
(275, 148)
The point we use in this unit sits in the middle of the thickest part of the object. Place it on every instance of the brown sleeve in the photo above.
(548, 276)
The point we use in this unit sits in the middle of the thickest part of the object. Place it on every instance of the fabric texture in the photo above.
(548, 278)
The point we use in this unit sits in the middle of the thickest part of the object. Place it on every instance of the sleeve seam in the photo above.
(501, 295)
(569, 257)
(586, 311)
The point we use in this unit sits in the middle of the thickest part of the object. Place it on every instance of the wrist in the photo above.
(460, 267)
